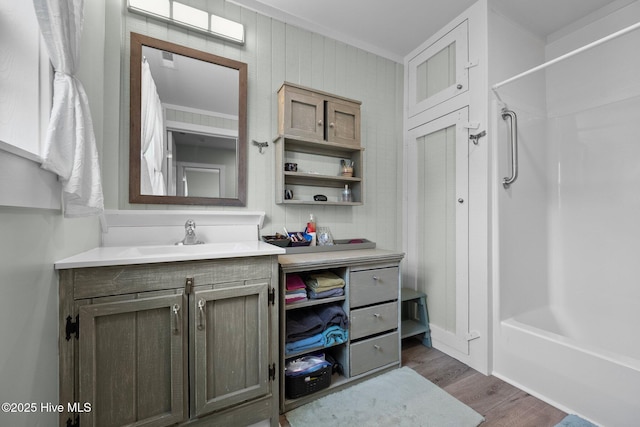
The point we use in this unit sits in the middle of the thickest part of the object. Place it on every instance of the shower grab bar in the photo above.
(506, 182)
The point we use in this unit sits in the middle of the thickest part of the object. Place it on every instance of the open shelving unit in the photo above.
(316, 130)
(371, 301)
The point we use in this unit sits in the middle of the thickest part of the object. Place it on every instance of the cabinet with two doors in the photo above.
(318, 132)
(166, 344)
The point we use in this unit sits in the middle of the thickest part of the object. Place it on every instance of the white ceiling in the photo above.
(392, 29)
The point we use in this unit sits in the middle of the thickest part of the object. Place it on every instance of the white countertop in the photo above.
(127, 255)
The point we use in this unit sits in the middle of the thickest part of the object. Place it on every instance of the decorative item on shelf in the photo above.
(261, 145)
(324, 236)
(291, 167)
(346, 194)
(320, 198)
(346, 167)
(288, 194)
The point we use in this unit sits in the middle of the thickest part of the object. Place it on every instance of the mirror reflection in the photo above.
(187, 125)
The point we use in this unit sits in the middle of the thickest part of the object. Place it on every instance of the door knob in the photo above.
(461, 200)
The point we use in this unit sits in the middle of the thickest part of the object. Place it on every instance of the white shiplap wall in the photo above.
(276, 52)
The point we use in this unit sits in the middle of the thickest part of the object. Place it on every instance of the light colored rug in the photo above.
(574, 421)
(397, 398)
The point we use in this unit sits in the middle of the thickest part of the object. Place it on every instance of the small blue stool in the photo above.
(410, 326)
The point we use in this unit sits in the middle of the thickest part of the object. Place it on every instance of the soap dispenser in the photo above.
(346, 194)
(311, 229)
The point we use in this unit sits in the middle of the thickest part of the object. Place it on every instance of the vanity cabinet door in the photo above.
(230, 338)
(130, 361)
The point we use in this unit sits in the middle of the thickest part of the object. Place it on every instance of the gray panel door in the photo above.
(131, 353)
(230, 332)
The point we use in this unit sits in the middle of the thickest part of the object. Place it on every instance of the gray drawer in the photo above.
(368, 287)
(373, 320)
(374, 353)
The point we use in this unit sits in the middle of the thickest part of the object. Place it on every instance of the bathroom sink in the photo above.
(119, 255)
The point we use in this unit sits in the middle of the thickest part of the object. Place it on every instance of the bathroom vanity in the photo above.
(169, 335)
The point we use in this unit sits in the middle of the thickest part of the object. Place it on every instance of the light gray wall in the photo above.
(276, 52)
(31, 240)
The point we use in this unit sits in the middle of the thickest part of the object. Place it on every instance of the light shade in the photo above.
(189, 17)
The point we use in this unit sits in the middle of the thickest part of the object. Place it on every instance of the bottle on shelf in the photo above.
(346, 194)
(311, 229)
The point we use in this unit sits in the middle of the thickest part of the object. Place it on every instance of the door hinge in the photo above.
(272, 372)
(72, 423)
(272, 296)
(72, 327)
(188, 285)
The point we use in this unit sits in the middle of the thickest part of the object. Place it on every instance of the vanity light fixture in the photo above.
(189, 17)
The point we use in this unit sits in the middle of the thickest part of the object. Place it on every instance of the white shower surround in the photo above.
(566, 234)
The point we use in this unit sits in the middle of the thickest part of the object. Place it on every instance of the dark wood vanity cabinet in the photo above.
(165, 344)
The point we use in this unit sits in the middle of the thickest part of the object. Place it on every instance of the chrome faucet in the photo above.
(190, 234)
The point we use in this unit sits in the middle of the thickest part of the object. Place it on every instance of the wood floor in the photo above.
(501, 404)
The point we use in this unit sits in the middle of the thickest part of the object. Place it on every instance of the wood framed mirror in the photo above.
(188, 136)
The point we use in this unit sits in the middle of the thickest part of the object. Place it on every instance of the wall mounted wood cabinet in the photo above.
(316, 115)
(316, 131)
(175, 343)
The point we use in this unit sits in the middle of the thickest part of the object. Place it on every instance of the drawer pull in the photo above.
(375, 277)
(377, 347)
(376, 315)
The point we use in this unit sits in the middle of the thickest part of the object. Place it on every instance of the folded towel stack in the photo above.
(302, 324)
(325, 284)
(295, 289)
(321, 326)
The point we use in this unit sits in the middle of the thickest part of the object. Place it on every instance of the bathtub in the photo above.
(566, 268)
(544, 354)
(566, 234)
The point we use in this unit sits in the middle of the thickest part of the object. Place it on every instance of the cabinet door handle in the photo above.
(319, 122)
(201, 304)
(331, 125)
(176, 309)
